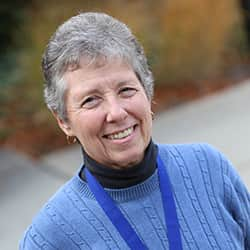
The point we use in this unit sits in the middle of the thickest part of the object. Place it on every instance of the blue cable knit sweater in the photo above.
(213, 208)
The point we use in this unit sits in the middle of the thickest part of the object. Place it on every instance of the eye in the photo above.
(127, 91)
(90, 102)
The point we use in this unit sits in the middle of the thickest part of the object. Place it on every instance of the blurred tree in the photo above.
(182, 39)
(245, 5)
(197, 37)
(11, 18)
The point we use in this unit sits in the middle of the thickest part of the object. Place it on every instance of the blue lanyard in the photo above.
(120, 222)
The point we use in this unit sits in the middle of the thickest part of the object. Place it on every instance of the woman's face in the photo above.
(109, 112)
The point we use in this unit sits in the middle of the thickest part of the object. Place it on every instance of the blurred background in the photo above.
(194, 48)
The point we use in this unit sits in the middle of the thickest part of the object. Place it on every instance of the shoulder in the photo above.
(197, 164)
(205, 165)
(199, 155)
(195, 152)
(50, 224)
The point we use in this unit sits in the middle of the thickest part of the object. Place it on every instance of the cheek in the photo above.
(143, 112)
(144, 108)
(88, 126)
(148, 124)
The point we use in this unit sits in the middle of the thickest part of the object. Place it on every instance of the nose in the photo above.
(115, 111)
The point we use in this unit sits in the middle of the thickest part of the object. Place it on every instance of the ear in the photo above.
(153, 103)
(64, 125)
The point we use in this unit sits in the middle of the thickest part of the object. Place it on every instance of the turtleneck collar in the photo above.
(122, 178)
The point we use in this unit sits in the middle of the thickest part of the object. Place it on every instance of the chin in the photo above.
(130, 161)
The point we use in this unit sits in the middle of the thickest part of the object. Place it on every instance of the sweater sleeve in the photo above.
(32, 240)
(236, 196)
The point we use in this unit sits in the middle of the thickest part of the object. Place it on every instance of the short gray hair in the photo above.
(90, 36)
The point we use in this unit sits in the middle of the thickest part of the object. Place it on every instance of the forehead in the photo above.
(91, 76)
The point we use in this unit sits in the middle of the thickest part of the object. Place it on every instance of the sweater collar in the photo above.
(120, 195)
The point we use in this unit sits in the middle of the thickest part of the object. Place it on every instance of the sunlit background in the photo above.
(186, 42)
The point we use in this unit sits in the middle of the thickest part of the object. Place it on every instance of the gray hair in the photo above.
(91, 36)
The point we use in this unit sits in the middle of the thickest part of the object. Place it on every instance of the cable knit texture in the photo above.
(213, 208)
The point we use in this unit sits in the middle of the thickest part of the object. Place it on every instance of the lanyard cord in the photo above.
(171, 219)
(121, 223)
(114, 213)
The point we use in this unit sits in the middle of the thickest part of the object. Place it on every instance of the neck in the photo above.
(122, 178)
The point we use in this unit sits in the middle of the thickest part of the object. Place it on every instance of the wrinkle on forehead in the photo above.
(87, 80)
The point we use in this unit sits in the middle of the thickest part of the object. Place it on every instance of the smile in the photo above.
(120, 135)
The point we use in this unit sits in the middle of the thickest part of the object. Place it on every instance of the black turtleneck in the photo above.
(122, 178)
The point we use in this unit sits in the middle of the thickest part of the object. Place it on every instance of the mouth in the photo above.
(121, 134)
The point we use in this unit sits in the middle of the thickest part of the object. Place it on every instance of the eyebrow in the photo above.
(81, 93)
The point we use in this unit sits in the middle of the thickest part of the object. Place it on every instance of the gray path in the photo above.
(24, 187)
(222, 120)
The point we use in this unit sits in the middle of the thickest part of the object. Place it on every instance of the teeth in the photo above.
(121, 134)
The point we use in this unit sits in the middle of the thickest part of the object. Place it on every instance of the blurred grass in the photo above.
(184, 40)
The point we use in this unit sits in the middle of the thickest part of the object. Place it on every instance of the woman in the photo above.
(130, 193)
